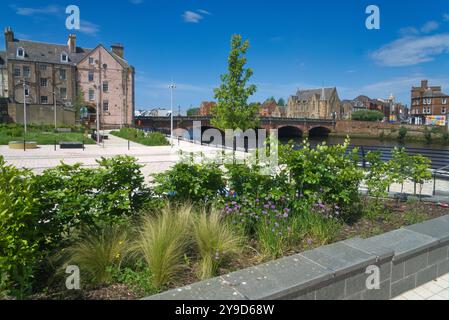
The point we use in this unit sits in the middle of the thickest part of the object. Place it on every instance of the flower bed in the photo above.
(198, 221)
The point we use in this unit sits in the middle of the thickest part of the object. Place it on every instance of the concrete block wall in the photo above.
(407, 258)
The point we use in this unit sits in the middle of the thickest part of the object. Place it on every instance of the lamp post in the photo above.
(24, 108)
(54, 109)
(172, 87)
(98, 116)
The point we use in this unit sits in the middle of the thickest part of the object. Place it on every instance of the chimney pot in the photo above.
(72, 43)
(424, 84)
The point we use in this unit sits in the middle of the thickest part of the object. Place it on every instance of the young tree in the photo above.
(193, 112)
(420, 171)
(79, 103)
(232, 110)
(281, 102)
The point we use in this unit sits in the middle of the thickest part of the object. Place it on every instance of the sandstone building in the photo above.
(315, 104)
(59, 73)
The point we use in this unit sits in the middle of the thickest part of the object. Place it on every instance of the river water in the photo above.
(438, 154)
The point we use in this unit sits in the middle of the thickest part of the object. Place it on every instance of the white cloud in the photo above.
(204, 12)
(412, 50)
(89, 28)
(446, 17)
(24, 11)
(192, 17)
(430, 26)
(195, 16)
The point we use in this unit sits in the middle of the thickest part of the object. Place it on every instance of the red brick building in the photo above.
(428, 101)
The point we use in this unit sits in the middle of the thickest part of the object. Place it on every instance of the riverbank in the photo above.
(385, 131)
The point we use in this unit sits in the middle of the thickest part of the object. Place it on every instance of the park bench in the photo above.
(71, 145)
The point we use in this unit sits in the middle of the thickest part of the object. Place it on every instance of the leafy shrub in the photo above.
(428, 135)
(163, 241)
(96, 252)
(19, 240)
(138, 278)
(216, 242)
(191, 182)
(71, 196)
(367, 115)
(329, 173)
(403, 131)
(248, 182)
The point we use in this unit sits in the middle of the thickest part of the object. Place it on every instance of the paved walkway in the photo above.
(435, 290)
(154, 159)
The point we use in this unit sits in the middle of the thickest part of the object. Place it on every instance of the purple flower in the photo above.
(285, 215)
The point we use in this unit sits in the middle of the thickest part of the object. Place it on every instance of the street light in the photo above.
(54, 107)
(172, 87)
(25, 95)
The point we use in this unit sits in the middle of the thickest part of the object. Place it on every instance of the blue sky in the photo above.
(293, 44)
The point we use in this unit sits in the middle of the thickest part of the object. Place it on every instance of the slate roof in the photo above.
(51, 53)
(44, 52)
(307, 94)
(433, 94)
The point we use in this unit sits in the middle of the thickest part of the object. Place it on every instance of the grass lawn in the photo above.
(148, 139)
(43, 135)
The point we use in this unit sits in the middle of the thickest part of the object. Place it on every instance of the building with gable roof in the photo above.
(314, 104)
(61, 71)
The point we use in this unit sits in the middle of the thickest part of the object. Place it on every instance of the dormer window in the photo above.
(64, 57)
(20, 53)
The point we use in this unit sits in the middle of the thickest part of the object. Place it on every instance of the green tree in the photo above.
(79, 103)
(402, 133)
(367, 115)
(271, 99)
(233, 111)
(192, 112)
(420, 171)
(281, 102)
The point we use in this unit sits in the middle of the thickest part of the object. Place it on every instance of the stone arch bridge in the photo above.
(287, 127)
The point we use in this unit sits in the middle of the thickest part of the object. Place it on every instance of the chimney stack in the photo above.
(119, 50)
(9, 36)
(72, 43)
(424, 84)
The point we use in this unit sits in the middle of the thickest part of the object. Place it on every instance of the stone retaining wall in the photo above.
(407, 258)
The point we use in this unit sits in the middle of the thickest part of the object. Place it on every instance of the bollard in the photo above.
(55, 144)
(24, 144)
(129, 145)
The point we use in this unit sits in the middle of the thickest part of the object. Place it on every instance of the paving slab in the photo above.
(437, 228)
(405, 242)
(278, 278)
(340, 258)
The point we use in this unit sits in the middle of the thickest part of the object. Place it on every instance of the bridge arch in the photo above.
(290, 132)
(319, 131)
